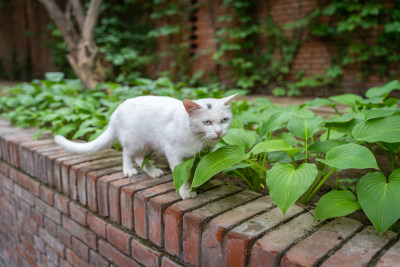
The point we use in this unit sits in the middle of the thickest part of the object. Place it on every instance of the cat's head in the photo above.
(210, 117)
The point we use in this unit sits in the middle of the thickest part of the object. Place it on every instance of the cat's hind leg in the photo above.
(149, 168)
(127, 165)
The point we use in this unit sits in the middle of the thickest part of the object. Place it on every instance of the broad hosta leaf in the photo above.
(240, 137)
(181, 173)
(275, 121)
(382, 129)
(317, 102)
(54, 76)
(325, 146)
(347, 99)
(286, 184)
(380, 199)
(336, 204)
(383, 90)
(340, 119)
(350, 156)
(269, 146)
(217, 161)
(66, 129)
(305, 128)
(378, 113)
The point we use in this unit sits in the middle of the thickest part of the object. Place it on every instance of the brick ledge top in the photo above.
(223, 226)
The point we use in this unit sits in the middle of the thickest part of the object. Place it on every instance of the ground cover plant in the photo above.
(288, 150)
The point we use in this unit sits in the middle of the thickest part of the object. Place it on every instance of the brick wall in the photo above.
(60, 209)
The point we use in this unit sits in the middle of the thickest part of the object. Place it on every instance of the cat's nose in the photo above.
(218, 133)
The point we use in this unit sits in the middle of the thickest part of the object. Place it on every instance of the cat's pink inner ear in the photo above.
(190, 106)
(229, 99)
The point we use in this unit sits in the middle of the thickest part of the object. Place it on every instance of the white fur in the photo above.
(152, 123)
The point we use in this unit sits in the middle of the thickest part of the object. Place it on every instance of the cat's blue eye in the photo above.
(225, 120)
(207, 122)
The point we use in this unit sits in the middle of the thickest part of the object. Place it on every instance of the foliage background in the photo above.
(286, 47)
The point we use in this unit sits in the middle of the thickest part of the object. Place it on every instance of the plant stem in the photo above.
(294, 162)
(320, 184)
(316, 181)
(256, 164)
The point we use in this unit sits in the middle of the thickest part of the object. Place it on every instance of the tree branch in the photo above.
(91, 20)
(66, 27)
(79, 13)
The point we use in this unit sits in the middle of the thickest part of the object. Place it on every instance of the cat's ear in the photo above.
(228, 100)
(190, 106)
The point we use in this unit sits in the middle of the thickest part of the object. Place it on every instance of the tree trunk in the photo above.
(83, 51)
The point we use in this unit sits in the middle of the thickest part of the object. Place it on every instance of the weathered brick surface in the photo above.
(222, 226)
(213, 236)
(174, 214)
(268, 249)
(361, 248)
(311, 250)
(127, 193)
(194, 221)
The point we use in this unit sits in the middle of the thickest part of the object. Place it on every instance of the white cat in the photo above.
(177, 129)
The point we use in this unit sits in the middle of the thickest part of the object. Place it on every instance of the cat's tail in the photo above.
(105, 140)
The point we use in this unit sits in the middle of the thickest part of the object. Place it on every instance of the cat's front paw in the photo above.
(155, 173)
(130, 172)
(186, 193)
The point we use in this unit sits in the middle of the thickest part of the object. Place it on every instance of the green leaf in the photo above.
(276, 121)
(37, 134)
(66, 129)
(82, 131)
(347, 117)
(325, 146)
(286, 184)
(217, 161)
(350, 156)
(375, 113)
(181, 173)
(346, 99)
(240, 137)
(382, 129)
(383, 90)
(336, 204)
(380, 199)
(317, 102)
(54, 76)
(305, 128)
(269, 146)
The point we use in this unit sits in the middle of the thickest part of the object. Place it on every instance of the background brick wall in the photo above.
(60, 209)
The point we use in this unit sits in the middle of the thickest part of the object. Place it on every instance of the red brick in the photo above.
(144, 254)
(4, 168)
(140, 203)
(51, 241)
(27, 223)
(27, 158)
(97, 225)
(102, 191)
(61, 203)
(391, 257)
(80, 249)
(268, 249)
(77, 175)
(39, 243)
(141, 182)
(78, 213)
(165, 262)
(214, 234)
(65, 263)
(50, 226)
(41, 167)
(311, 250)
(24, 195)
(114, 255)
(155, 210)
(75, 260)
(85, 235)
(174, 214)
(53, 170)
(361, 248)
(194, 221)
(97, 260)
(239, 238)
(64, 236)
(25, 208)
(118, 238)
(91, 185)
(11, 141)
(46, 194)
(82, 175)
(29, 184)
(48, 211)
(37, 217)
